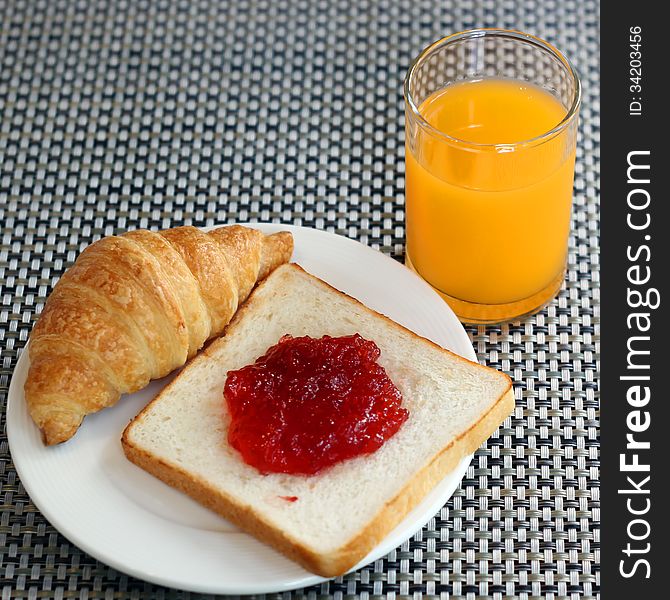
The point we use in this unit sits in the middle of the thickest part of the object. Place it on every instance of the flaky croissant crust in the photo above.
(135, 307)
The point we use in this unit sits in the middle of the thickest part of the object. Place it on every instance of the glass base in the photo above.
(488, 314)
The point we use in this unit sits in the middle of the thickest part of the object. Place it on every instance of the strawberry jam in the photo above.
(310, 403)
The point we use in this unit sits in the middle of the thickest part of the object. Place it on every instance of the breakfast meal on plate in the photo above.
(133, 308)
(316, 424)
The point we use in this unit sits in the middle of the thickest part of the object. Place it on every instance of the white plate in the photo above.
(124, 517)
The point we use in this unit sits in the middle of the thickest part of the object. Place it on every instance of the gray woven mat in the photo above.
(158, 113)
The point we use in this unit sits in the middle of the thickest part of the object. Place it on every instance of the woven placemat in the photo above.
(158, 113)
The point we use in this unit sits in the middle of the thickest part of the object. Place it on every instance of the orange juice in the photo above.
(487, 207)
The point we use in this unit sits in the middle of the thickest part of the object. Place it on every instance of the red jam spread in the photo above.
(310, 403)
(289, 498)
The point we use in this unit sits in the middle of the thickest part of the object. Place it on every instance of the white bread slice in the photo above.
(344, 512)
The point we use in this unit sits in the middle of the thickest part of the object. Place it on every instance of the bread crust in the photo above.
(350, 554)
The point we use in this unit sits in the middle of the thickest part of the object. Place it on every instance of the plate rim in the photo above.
(51, 514)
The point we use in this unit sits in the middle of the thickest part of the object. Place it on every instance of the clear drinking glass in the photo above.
(490, 133)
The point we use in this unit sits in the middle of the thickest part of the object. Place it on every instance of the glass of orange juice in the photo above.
(490, 132)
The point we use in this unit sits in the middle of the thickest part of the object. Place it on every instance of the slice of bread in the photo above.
(341, 513)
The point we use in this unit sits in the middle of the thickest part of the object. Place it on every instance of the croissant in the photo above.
(133, 308)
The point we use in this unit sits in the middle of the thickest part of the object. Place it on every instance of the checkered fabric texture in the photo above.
(154, 113)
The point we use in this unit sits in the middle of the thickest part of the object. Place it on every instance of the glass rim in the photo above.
(513, 34)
